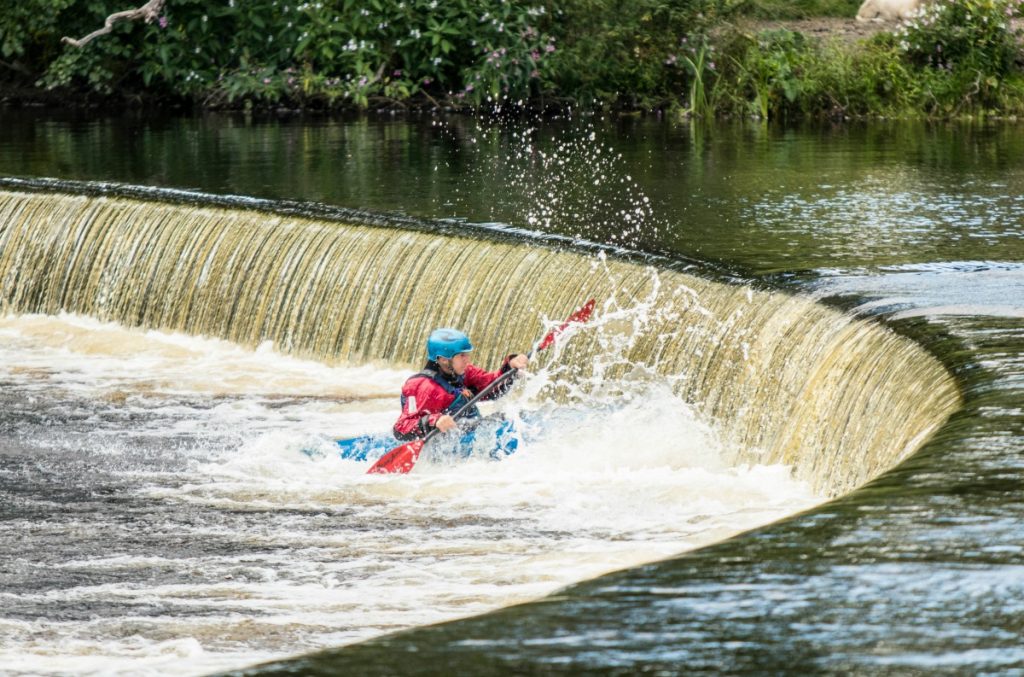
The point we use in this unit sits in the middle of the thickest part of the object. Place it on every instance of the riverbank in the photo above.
(963, 59)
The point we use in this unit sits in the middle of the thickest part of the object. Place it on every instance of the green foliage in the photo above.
(474, 51)
(863, 81)
(959, 57)
(266, 51)
(964, 50)
(628, 53)
(702, 72)
(360, 52)
(767, 74)
(24, 23)
(974, 34)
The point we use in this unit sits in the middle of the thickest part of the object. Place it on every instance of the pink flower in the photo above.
(266, 81)
(163, 22)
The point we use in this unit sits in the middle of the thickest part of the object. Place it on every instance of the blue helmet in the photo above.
(447, 343)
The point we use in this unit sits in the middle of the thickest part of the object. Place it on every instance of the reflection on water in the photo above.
(758, 198)
(961, 288)
(887, 213)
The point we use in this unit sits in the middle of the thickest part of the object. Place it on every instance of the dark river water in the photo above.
(920, 226)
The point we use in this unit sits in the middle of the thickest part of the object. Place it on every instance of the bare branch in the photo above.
(149, 12)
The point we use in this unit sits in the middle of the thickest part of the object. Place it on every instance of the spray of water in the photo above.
(570, 183)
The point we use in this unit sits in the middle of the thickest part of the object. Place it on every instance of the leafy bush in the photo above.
(269, 50)
(22, 22)
(478, 50)
(356, 52)
(960, 56)
(974, 34)
(628, 53)
(767, 74)
(867, 80)
(964, 49)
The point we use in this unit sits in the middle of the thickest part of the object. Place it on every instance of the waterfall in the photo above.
(838, 398)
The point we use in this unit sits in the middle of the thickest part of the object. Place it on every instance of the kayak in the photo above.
(490, 438)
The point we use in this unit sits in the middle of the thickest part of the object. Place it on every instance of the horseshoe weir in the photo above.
(838, 399)
(803, 457)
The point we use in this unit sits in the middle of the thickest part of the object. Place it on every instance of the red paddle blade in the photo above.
(580, 316)
(398, 460)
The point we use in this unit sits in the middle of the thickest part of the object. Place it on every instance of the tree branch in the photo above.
(148, 12)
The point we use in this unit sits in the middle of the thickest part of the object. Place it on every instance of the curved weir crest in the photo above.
(785, 379)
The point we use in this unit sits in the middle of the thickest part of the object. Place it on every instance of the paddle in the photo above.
(401, 459)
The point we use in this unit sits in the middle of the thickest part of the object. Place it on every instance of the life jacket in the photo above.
(456, 389)
(440, 394)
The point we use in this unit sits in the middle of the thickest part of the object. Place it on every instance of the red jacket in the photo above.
(429, 395)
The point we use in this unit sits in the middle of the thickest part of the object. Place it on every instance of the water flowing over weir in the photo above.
(787, 380)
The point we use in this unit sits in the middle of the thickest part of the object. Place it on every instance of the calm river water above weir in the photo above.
(157, 510)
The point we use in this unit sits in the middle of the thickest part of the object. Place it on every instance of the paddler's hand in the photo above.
(446, 423)
(519, 361)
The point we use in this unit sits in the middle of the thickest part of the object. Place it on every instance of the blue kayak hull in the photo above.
(493, 439)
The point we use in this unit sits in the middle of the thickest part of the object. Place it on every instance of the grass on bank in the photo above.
(921, 70)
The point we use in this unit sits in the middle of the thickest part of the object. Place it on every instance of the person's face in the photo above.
(459, 362)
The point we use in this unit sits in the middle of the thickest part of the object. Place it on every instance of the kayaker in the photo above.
(448, 381)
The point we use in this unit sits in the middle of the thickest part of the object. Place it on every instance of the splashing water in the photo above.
(565, 184)
(572, 184)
